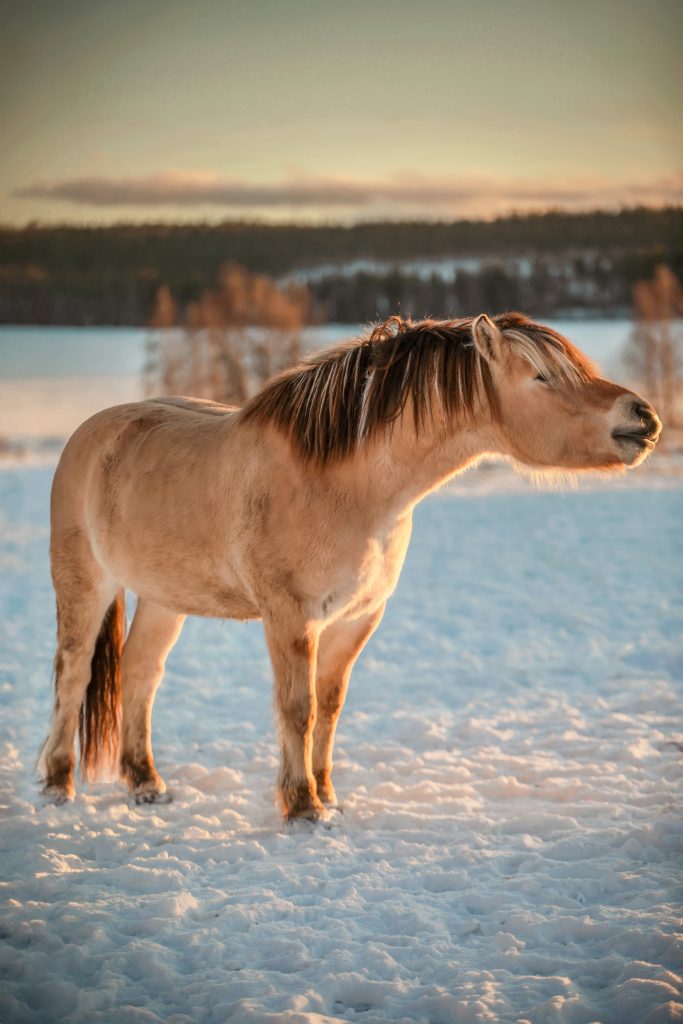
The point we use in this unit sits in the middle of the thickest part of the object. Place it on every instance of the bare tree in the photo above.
(654, 348)
(158, 371)
(230, 341)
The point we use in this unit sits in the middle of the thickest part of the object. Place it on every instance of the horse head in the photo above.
(553, 408)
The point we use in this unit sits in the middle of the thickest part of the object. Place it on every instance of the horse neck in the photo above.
(396, 470)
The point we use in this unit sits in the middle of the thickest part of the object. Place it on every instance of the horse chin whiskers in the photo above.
(637, 459)
(548, 478)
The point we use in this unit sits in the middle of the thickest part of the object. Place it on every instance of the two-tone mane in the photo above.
(341, 397)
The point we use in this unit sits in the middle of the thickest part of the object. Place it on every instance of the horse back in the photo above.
(142, 479)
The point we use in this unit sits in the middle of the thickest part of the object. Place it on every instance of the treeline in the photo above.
(541, 262)
(548, 285)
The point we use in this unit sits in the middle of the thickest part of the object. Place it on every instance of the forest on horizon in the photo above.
(547, 264)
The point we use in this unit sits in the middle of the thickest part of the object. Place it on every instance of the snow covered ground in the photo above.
(510, 843)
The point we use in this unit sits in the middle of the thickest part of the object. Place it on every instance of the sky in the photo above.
(313, 110)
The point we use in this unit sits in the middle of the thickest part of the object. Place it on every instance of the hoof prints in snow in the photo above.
(511, 839)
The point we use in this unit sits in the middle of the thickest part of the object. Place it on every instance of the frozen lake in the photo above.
(52, 378)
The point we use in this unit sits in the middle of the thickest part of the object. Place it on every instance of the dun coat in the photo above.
(295, 509)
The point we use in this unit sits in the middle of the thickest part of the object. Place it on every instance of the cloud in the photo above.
(469, 194)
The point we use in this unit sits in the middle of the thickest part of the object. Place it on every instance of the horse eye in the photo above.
(544, 380)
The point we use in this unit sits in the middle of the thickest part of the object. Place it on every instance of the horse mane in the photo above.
(339, 398)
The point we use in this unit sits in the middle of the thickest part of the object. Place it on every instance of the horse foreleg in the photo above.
(152, 635)
(293, 656)
(340, 644)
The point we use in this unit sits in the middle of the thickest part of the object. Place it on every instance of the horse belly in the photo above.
(224, 604)
(186, 591)
(178, 565)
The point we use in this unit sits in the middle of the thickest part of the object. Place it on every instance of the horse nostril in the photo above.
(645, 414)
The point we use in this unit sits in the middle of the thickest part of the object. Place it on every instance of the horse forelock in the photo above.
(341, 397)
(549, 352)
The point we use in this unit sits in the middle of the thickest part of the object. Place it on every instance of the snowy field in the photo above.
(510, 844)
(509, 765)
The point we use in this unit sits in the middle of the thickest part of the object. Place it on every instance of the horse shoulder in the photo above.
(308, 544)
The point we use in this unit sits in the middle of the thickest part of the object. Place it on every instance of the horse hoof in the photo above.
(333, 821)
(56, 795)
(312, 814)
(153, 796)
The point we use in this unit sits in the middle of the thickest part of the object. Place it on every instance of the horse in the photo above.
(296, 509)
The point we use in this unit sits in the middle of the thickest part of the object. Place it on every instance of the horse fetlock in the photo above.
(326, 792)
(301, 801)
(58, 785)
(142, 779)
(58, 795)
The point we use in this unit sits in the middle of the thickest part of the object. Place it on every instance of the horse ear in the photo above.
(487, 338)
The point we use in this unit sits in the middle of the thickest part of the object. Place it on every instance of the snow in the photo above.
(509, 763)
(509, 767)
(443, 267)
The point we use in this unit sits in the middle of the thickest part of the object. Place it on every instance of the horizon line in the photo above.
(259, 222)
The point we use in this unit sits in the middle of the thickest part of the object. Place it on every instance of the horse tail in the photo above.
(100, 716)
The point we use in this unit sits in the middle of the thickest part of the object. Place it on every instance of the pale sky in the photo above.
(320, 110)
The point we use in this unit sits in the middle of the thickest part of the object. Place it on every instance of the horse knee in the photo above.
(331, 701)
(298, 716)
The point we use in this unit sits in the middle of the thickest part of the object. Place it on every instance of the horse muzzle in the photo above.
(640, 436)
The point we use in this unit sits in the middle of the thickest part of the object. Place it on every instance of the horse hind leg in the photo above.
(88, 635)
(152, 635)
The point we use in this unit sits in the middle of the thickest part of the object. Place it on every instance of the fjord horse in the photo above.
(295, 509)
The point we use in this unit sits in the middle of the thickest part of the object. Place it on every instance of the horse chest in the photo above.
(359, 583)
